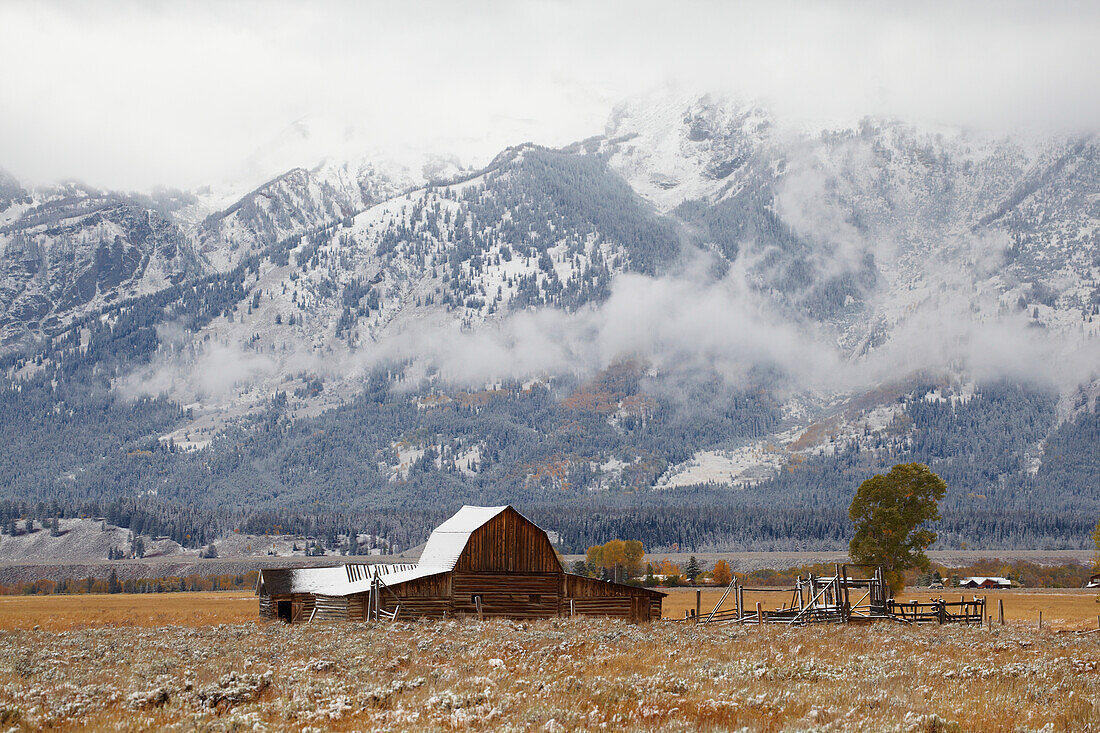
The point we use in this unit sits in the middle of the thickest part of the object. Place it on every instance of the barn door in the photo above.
(637, 609)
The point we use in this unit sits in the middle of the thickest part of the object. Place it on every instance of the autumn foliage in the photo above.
(625, 554)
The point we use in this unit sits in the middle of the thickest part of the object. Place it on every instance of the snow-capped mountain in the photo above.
(781, 296)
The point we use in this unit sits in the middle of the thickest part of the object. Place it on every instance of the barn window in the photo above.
(535, 598)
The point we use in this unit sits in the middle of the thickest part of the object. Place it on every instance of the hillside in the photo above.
(702, 328)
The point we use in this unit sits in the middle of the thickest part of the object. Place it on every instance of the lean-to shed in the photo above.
(483, 561)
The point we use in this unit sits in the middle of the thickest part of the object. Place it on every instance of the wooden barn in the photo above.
(487, 562)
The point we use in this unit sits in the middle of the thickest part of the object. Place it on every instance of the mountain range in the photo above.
(701, 328)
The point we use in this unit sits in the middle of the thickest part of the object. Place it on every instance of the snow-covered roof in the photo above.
(449, 539)
(389, 579)
(981, 580)
(278, 581)
(440, 556)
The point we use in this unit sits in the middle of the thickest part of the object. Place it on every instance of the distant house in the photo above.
(982, 581)
(1094, 581)
(483, 561)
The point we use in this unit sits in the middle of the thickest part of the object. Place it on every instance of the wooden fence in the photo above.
(840, 599)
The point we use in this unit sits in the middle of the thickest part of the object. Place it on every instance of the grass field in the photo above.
(563, 674)
(1062, 608)
(143, 610)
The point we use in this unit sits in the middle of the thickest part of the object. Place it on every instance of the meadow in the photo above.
(202, 661)
(1065, 609)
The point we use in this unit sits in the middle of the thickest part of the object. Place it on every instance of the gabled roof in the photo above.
(440, 555)
(449, 539)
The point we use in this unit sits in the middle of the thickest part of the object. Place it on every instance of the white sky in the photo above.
(133, 95)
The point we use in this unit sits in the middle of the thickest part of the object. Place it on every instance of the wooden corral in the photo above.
(484, 562)
(840, 598)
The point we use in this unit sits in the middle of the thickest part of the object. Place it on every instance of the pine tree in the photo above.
(692, 569)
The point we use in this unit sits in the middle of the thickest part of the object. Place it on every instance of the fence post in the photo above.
(1001, 611)
(759, 612)
(698, 604)
(1040, 618)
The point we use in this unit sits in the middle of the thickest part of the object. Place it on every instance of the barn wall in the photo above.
(301, 606)
(591, 597)
(332, 608)
(511, 595)
(428, 597)
(508, 543)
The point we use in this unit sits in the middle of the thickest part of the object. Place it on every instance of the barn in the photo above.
(487, 562)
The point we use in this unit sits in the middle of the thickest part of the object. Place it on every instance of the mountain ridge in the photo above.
(765, 285)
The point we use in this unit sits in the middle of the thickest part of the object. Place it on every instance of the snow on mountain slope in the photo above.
(292, 204)
(673, 150)
(538, 228)
(68, 250)
(913, 249)
(902, 250)
(851, 226)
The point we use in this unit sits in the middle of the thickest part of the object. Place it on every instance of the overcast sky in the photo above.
(133, 95)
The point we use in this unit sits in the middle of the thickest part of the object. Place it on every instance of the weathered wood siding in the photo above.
(592, 597)
(301, 606)
(511, 595)
(332, 608)
(508, 563)
(428, 597)
(508, 543)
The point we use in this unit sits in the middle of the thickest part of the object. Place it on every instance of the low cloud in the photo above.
(134, 95)
(671, 323)
(198, 371)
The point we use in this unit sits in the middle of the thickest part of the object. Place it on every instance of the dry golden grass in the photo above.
(68, 612)
(563, 674)
(1062, 608)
